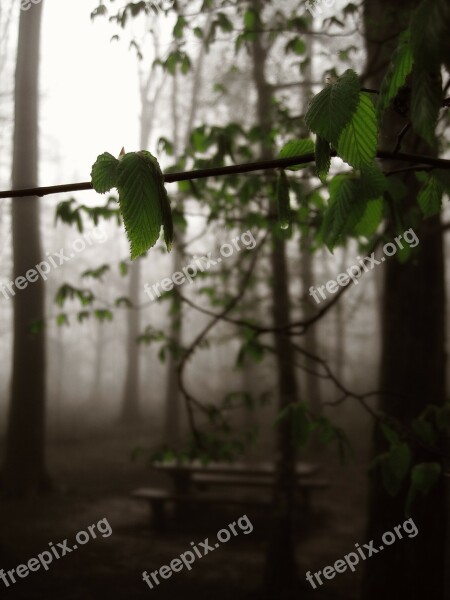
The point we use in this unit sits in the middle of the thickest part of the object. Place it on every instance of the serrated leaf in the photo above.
(358, 142)
(345, 209)
(371, 183)
(297, 148)
(371, 218)
(332, 109)
(323, 158)
(348, 202)
(104, 173)
(143, 201)
(283, 200)
(430, 197)
(426, 101)
(395, 78)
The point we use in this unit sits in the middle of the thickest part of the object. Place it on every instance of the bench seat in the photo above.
(158, 498)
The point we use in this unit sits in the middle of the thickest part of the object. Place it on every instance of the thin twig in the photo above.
(262, 165)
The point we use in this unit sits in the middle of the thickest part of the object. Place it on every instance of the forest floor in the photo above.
(95, 475)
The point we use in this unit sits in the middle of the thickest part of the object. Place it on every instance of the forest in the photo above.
(223, 299)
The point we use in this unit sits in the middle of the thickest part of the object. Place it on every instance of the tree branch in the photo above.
(262, 165)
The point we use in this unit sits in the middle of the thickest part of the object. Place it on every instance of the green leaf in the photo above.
(251, 349)
(394, 467)
(96, 273)
(331, 110)
(123, 301)
(371, 218)
(297, 148)
(426, 101)
(123, 268)
(62, 319)
(424, 431)
(250, 19)
(83, 315)
(430, 197)
(348, 202)
(358, 142)
(224, 22)
(104, 173)
(443, 176)
(323, 158)
(424, 477)
(395, 78)
(296, 46)
(371, 183)
(178, 29)
(283, 200)
(345, 209)
(143, 201)
(390, 434)
(430, 48)
(103, 315)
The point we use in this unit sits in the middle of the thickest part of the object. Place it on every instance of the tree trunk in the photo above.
(280, 569)
(310, 380)
(412, 365)
(131, 411)
(131, 400)
(172, 415)
(24, 468)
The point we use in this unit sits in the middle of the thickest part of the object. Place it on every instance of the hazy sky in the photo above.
(89, 91)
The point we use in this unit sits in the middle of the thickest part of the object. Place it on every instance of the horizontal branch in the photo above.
(262, 165)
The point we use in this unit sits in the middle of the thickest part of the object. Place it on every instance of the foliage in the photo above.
(324, 199)
(143, 199)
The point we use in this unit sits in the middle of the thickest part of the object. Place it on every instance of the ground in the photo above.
(94, 475)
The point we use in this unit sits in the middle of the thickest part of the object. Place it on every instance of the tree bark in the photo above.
(280, 569)
(412, 364)
(24, 469)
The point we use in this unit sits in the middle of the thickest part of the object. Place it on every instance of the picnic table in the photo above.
(192, 482)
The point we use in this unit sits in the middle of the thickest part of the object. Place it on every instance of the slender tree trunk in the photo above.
(340, 327)
(280, 570)
(131, 410)
(412, 365)
(131, 398)
(172, 423)
(311, 381)
(24, 468)
(172, 404)
(172, 416)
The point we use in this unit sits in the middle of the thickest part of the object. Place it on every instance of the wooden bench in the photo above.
(304, 485)
(159, 498)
